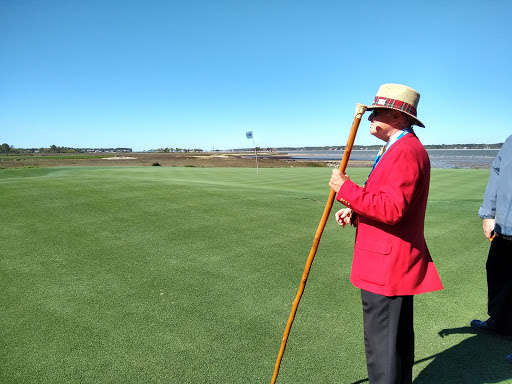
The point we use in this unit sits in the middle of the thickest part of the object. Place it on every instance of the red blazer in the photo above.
(391, 257)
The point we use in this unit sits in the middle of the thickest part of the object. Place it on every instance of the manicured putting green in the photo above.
(187, 275)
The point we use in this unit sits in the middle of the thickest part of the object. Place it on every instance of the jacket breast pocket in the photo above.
(372, 259)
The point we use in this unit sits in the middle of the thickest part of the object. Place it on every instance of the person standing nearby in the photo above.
(391, 260)
(496, 212)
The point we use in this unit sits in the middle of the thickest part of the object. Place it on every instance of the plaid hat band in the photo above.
(395, 104)
(400, 98)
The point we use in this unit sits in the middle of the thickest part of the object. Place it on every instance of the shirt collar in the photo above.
(392, 140)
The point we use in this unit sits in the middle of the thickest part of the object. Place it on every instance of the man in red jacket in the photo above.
(391, 260)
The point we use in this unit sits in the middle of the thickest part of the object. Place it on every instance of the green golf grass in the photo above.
(187, 275)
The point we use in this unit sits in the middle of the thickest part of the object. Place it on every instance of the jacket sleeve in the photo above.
(388, 193)
(488, 208)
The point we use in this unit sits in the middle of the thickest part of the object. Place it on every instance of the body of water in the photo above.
(439, 158)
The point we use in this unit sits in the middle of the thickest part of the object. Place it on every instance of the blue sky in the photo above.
(199, 74)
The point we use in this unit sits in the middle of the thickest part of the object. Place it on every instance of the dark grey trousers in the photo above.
(499, 284)
(388, 338)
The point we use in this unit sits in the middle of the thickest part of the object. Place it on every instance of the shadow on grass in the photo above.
(479, 359)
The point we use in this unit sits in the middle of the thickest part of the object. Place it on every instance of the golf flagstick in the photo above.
(249, 135)
(360, 110)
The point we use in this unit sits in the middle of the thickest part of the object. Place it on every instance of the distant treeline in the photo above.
(9, 149)
(175, 150)
(6, 148)
(465, 146)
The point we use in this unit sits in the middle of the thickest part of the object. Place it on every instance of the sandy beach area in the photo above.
(216, 159)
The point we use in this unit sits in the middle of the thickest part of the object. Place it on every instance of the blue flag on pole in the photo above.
(248, 134)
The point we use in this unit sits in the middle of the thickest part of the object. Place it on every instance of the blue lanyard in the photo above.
(405, 132)
(382, 152)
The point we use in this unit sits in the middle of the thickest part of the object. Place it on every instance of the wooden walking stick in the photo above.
(360, 110)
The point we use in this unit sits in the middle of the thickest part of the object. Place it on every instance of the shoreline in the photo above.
(192, 159)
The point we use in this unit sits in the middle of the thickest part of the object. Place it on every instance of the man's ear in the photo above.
(396, 115)
(400, 117)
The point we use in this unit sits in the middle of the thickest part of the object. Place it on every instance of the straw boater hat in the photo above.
(400, 98)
